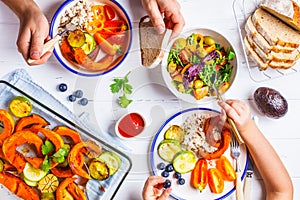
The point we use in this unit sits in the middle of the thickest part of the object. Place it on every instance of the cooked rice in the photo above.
(194, 139)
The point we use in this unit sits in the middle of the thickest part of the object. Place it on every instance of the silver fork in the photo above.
(235, 153)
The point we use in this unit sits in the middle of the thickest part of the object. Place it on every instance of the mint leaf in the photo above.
(46, 164)
(47, 147)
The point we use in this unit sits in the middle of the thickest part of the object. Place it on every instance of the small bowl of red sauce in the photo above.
(130, 125)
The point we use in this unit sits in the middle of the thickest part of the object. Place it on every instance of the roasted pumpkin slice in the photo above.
(8, 123)
(75, 191)
(27, 122)
(60, 192)
(55, 138)
(66, 131)
(62, 172)
(18, 186)
(76, 160)
(17, 139)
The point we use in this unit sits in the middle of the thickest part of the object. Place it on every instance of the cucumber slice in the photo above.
(89, 45)
(30, 183)
(184, 162)
(175, 132)
(167, 149)
(33, 174)
(112, 160)
(20, 106)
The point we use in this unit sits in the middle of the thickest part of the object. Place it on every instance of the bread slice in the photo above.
(264, 65)
(150, 42)
(271, 55)
(274, 30)
(286, 10)
(261, 41)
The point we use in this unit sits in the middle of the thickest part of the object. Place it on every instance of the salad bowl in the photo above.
(192, 59)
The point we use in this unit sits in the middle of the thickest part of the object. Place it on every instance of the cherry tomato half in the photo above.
(109, 13)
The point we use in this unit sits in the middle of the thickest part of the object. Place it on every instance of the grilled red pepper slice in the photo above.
(199, 176)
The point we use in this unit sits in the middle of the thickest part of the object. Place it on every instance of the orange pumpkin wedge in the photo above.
(66, 131)
(29, 121)
(18, 186)
(62, 186)
(76, 192)
(8, 123)
(55, 138)
(75, 161)
(17, 139)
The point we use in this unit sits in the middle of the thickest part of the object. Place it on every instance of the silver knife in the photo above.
(248, 179)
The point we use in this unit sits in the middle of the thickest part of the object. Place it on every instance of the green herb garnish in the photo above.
(46, 164)
(122, 85)
(47, 147)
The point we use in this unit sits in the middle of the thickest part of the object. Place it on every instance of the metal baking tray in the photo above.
(242, 10)
(94, 189)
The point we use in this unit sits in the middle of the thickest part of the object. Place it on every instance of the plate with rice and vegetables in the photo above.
(97, 39)
(191, 149)
(191, 61)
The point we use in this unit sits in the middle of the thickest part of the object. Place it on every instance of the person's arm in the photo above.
(33, 31)
(153, 189)
(170, 9)
(275, 176)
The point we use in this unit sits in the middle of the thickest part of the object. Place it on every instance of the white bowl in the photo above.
(220, 39)
(130, 125)
(76, 68)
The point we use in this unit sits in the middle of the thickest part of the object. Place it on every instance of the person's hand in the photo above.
(153, 189)
(33, 32)
(238, 111)
(171, 10)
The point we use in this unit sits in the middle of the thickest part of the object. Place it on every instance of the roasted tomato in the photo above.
(226, 169)
(199, 175)
(215, 181)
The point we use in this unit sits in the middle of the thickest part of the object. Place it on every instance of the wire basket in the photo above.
(242, 10)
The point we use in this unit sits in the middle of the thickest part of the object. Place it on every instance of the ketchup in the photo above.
(131, 125)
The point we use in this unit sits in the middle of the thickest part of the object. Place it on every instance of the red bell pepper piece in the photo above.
(109, 13)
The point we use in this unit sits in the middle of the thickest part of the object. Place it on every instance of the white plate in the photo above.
(186, 191)
(77, 69)
(218, 39)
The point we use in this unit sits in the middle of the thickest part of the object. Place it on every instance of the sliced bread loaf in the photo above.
(264, 65)
(274, 30)
(275, 56)
(261, 41)
(286, 10)
(150, 42)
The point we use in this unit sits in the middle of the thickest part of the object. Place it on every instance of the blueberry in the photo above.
(83, 101)
(161, 166)
(62, 87)
(78, 93)
(169, 168)
(177, 175)
(165, 174)
(71, 98)
(167, 184)
(181, 181)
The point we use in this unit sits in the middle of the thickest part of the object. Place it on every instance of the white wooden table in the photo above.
(150, 90)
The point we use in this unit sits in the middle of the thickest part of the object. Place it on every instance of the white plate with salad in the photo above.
(187, 119)
(190, 61)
